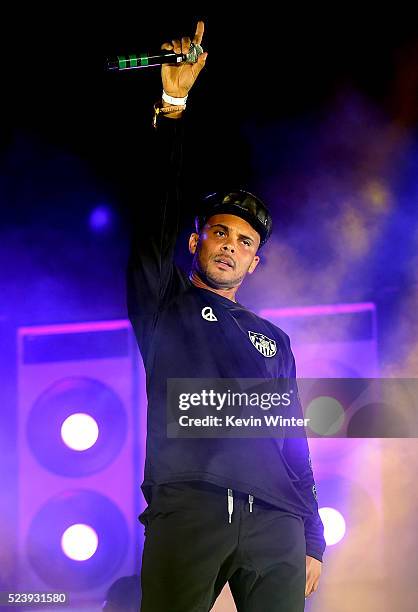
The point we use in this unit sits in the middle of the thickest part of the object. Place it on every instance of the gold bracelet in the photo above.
(158, 108)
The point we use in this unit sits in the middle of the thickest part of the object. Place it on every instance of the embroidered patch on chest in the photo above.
(264, 345)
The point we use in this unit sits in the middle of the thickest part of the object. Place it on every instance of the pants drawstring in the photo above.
(230, 504)
(250, 502)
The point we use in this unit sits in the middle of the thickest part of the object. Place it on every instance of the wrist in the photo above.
(167, 110)
(166, 104)
(171, 114)
(173, 100)
(168, 101)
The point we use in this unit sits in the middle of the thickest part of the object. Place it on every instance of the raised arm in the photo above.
(151, 274)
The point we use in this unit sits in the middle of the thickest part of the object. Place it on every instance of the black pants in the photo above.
(192, 549)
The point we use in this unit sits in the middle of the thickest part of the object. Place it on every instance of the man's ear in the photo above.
(253, 264)
(193, 240)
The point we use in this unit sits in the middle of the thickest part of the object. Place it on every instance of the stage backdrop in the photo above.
(81, 426)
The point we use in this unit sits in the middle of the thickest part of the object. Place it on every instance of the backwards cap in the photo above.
(240, 203)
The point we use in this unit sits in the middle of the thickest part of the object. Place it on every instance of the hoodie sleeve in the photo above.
(152, 277)
(296, 452)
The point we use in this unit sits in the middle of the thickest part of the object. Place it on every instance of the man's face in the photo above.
(225, 251)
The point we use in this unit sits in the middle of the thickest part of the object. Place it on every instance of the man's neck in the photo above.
(227, 293)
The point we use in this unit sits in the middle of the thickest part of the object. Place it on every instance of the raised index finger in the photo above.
(200, 28)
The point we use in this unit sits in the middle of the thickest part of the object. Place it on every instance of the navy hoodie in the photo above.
(176, 341)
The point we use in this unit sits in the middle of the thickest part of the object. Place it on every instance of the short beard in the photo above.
(212, 281)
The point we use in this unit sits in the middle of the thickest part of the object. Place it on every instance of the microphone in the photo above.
(144, 60)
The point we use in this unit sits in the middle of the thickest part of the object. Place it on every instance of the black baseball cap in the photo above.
(240, 203)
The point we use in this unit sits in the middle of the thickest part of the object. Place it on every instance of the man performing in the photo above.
(237, 510)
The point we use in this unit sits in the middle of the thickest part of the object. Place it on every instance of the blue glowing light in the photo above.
(101, 218)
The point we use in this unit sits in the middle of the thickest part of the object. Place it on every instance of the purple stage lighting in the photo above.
(79, 542)
(334, 525)
(57, 431)
(326, 415)
(100, 218)
(77, 525)
(79, 431)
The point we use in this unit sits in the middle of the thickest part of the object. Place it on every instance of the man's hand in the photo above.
(178, 79)
(313, 572)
